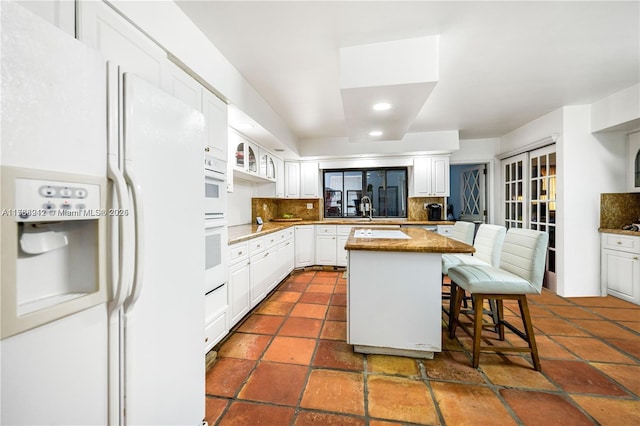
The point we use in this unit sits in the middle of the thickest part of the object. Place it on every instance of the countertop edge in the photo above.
(618, 231)
(271, 227)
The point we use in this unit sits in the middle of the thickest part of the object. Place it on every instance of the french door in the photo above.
(542, 203)
(529, 195)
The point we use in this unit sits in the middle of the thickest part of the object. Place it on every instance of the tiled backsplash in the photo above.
(270, 208)
(417, 210)
(617, 210)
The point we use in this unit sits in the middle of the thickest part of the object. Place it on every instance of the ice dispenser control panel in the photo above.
(40, 200)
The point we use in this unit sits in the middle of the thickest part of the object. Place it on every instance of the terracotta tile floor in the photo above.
(288, 363)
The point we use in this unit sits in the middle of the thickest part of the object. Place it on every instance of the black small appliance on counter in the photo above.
(434, 211)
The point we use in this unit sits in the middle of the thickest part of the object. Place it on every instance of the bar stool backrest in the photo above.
(488, 243)
(463, 232)
(524, 253)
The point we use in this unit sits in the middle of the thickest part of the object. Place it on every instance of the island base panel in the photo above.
(394, 301)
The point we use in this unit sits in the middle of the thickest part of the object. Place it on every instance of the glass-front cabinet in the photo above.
(267, 165)
(633, 162)
(245, 154)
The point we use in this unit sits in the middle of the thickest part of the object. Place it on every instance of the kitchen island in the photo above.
(394, 290)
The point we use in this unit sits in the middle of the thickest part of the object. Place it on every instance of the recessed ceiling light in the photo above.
(382, 106)
(375, 133)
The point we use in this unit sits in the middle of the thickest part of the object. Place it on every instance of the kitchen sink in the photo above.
(381, 233)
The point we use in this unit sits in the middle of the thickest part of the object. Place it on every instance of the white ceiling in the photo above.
(502, 64)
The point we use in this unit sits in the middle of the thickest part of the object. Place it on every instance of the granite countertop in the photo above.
(421, 241)
(618, 231)
(239, 233)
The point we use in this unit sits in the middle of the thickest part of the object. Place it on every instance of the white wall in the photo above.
(588, 165)
(239, 202)
(619, 110)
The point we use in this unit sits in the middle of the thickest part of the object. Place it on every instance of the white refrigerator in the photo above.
(102, 254)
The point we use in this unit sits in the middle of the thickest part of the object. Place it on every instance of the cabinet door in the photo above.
(215, 114)
(304, 245)
(309, 180)
(341, 253)
(239, 296)
(440, 176)
(325, 249)
(62, 14)
(421, 177)
(258, 276)
(621, 274)
(279, 176)
(103, 29)
(292, 179)
(184, 87)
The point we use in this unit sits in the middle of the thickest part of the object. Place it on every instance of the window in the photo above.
(385, 187)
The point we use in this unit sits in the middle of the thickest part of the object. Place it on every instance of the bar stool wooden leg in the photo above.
(478, 301)
(499, 318)
(454, 308)
(528, 327)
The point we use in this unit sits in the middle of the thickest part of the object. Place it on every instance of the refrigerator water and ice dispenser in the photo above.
(53, 256)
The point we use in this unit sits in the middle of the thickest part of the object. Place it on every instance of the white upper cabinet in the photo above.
(309, 180)
(431, 176)
(215, 114)
(103, 29)
(292, 179)
(245, 157)
(62, 14)
(184, 87)
(280, 180)
(633, 165)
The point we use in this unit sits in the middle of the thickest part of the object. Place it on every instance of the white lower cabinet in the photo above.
(342, 235)
(326, 245)
(444, 229)
(620, 266)
(239, 297)
(304, 245)
(216, 316)
(286, 254)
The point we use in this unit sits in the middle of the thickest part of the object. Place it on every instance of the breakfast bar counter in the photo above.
(394, 290)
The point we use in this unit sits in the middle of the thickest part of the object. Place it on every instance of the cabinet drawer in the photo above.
(326, 230)
(215, 331)
(444, 229)
(627, 243)
(271, 239)
(215, 303)
(257, 245)
(238, 252)
(286, 234)
(344, 229)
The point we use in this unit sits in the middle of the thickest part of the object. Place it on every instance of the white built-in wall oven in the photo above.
(215, 251)
(215, 187)
(215, 192)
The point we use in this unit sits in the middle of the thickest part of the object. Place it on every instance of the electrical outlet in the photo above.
(264, 207)
(309, 206)
(425, 205)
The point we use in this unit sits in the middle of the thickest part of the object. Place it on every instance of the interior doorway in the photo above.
(468, 186)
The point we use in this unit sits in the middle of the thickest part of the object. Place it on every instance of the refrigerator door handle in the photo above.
(136, 191)
(125, 238)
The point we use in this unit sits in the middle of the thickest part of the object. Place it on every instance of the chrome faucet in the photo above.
(365, 204)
